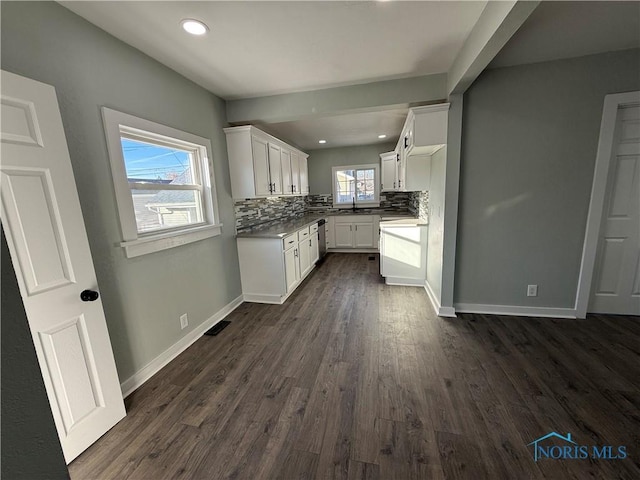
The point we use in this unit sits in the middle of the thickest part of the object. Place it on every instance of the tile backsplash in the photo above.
(265, 211)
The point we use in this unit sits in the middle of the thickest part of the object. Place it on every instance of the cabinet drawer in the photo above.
(303, 234)
(289, 241)
(313, 228)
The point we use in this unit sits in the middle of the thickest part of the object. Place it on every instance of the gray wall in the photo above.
(144, 296)
(30, 445)
(528, 152)
(322, 160)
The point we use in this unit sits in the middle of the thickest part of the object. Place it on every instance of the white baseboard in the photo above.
(516, 310)
(136, 380)
(440, 310)
(404, 282)
(353, 250)
(262, 298)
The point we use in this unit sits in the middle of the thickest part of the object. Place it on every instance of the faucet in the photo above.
(354, 203)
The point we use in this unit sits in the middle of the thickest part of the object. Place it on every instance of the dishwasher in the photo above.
(322, 239)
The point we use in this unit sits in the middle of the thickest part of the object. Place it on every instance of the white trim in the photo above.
(404, 282)
(353, 250)
(515, 310)
(262, 298)
(612, 104)
(144, 245)
(440, 310)
(136, 380)
(118, 124)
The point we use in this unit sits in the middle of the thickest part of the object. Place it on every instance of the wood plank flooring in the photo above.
(353, 379)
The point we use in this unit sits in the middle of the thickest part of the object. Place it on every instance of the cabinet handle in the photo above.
(309, 242)
(394, 185)
(274, 186)
(356, 228)
(399, 183)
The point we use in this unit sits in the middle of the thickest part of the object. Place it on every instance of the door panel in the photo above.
(615, 279)
(343, 234)
(287, 181)
(275, 169)
(363, 235)
(260, 152)
(41, 216)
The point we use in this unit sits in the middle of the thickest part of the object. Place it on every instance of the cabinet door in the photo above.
(295, 173)
(260, 150)
(275, 169)
(401, 171)
(315, 252)
(287, 181)
(363, 235)
(417, 173)
(291, 268)
(304, 176)
(388, 174)
(343, 235)
(304, 252)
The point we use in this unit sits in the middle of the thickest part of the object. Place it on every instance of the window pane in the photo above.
(345, 186)
(160, 209)
(366, 185)
(145, 162)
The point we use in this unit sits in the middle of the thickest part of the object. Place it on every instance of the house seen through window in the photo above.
(356, 185)
(163, 183)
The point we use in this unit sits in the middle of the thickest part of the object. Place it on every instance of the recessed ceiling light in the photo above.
(194, 27)
(322, 141)
(382, 136)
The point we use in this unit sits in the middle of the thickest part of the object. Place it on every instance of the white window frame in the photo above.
(117, 125)
(376, 185)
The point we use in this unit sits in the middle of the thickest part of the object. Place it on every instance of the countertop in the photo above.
(282, 229)
(404, 222)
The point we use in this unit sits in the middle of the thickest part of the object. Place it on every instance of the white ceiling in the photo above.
(558, 30)
(341, 130)
(264, 48)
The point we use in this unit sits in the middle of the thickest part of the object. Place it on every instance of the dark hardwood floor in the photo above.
(354, 379)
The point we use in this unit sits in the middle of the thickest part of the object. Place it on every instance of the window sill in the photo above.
(164, 241)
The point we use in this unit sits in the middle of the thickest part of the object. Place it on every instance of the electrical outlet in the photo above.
(532, 290)
(184, 321)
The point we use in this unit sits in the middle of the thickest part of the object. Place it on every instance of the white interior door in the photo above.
(49, 249)
(616, 279)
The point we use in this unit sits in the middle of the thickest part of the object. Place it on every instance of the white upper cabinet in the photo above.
(261, 165)
(275, 169)
(425, 130)
(304, 175)
(423, 134)
(389, 171)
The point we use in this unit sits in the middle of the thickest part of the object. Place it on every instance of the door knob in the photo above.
(89, 295)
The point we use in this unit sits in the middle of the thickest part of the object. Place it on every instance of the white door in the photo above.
(295, 173)
(388, 181)
(616, 280)
(260, 151)
(287, 181)
(315, 251)
(291, 268)
(304, 253)
(50, 253)
(304, 174)
(343, 234)
(275, 169)
(363, 235)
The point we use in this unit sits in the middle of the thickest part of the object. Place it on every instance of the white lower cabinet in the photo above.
(403, 253)
(272, 268)
(356, 231)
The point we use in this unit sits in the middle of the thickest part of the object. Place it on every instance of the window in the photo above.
(164, 185)
(357, 184)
